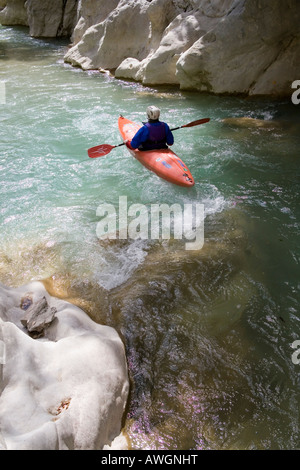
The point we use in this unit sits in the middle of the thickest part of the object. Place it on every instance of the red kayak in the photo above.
(164, 163)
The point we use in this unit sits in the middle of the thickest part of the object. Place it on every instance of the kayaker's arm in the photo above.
(128, 144)
(140, 137)
(169, 135)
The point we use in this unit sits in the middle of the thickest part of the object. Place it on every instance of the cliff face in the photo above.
(222, 46)
(47, 18)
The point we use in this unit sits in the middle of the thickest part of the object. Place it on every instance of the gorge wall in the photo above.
(221, 46)
(47, 18)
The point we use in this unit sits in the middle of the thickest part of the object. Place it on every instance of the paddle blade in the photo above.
(197, 123)
(100, 150)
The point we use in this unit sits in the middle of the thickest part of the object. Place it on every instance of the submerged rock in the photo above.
(67, 390)
(247, 122)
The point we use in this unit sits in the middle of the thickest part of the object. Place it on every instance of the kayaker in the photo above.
(154, 134)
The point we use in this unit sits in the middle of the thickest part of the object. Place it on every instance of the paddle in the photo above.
(104, 149)
(192, 124)
(101, 150)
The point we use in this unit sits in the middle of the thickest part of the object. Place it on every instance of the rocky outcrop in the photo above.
(123, 33)
(49, 18)
(252, 50)
(13, 12)
(229, 46)
(224, 46)
(65, 391)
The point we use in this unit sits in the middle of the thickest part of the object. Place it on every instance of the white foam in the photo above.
(119, 263)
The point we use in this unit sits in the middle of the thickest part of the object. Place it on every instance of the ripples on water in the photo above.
(208, 334)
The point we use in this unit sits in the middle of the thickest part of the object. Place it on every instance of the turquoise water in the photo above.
(208, 333)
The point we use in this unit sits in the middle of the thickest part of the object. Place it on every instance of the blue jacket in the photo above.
(141, 139)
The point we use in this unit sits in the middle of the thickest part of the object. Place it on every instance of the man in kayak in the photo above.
(154, 134)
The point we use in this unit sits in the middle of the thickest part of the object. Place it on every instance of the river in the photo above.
(208, 333)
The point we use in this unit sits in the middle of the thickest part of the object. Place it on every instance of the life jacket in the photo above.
(157, 137)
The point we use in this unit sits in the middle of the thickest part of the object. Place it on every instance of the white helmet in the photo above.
(153, 113)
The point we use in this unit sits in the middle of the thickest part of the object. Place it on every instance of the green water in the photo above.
(208, 333)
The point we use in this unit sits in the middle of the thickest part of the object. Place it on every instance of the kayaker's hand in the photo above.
(128, 144)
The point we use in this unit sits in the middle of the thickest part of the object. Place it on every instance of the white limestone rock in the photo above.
(67, 390)
(124, 33)
(13, 12)
(276, 79)
(51, 18)
(160, 66)
(240, 54)
(90, 13)
(129, 69)
(220, 46)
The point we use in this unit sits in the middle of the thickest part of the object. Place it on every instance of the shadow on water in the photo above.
(23, 48)
(198, 378)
